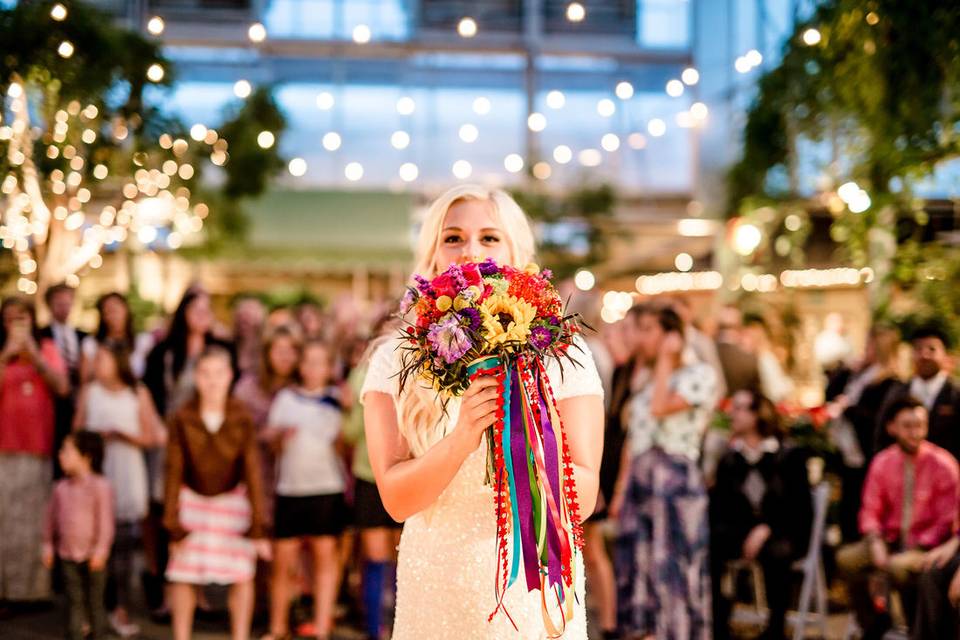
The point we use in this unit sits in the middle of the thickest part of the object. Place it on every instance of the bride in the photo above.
(430, 467)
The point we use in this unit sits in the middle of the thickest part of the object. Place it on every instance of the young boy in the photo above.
(79, 529)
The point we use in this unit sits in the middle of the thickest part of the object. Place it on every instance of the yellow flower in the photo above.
(444, 303)
(532, 268)
(459, 303)
(500, 309)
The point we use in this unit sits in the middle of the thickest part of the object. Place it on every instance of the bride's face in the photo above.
(471, 234)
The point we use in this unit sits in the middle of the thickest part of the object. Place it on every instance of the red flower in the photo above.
(444, 286)
(471, 272)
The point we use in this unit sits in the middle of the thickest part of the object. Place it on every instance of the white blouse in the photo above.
(681, 433)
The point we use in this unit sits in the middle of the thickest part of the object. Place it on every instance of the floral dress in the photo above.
(662, 549)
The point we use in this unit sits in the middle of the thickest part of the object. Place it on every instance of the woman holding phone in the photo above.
(663, 579)
(31, 375)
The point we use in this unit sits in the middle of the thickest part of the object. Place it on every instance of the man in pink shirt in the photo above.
(910, 505)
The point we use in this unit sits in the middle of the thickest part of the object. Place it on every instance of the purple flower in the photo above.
(472, 315)
(449, 339)
(488, 267)
(540, 337)
(547, 274)
(408, 300)
(554, 320)
(423, 285)
(456, 274)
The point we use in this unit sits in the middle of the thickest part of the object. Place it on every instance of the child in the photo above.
(119, 409)
(305, 423)
(213, 505)
(79, 529)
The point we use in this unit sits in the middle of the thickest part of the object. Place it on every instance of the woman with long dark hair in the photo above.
(115, 405)
(760, 508)
(116, 327)
(660, 498)
(169, 378)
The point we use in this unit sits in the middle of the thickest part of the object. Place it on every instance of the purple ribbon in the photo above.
(518, 447)
(552, 464)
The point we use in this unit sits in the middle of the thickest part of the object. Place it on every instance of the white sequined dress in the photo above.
(447, 565)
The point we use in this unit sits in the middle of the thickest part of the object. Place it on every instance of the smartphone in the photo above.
(19, 330)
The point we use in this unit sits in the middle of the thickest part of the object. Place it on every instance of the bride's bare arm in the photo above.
(409, 485)
(583, 424)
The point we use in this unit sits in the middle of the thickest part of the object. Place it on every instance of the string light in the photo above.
(155, 25)
(584, 280)
(590, 158)
(674, 88)
(690, 76)
(242, 89)
(467, 27)
(353, 171)
(331, 141)
(297, 167)
(811, 37)
(400, 140)
(556, 99)
(408, 172)
(65, 49)
(265, 139)
(624, 90)
(606, 107)
(610, 142)
(576, 12)
(562, 154)
(746, 238)
(361, 34)
(406, 106)
(469, 133)
(155, 73)
(656, 127)
(325, 101)
(513, 163)
(462, 169)
(537, 121)
(637, 141)
(481, 106)
(257, 33)
(542, 170)
(58, 12)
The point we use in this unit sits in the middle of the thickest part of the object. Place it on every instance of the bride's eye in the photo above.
(491, 238)
(453, 239)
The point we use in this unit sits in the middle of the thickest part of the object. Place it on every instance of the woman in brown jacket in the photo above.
(213, 505)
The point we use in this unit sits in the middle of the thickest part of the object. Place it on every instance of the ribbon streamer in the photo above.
(530, 468)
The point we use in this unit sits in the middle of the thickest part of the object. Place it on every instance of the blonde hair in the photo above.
(418, 412)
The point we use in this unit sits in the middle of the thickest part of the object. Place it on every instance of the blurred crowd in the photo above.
(167, 472)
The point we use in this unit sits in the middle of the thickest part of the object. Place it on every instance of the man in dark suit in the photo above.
(740, 367)
(932, 386)
(59, 299)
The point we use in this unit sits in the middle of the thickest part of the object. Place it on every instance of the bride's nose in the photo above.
(472, 252)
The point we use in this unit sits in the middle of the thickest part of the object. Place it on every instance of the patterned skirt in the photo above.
(215, 550)
(662, 550)
(26, 480)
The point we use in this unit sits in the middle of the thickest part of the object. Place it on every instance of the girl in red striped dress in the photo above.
(213, 505)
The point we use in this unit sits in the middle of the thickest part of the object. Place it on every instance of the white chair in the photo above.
(814, 586)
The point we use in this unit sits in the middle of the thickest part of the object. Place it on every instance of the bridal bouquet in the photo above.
(487, 319)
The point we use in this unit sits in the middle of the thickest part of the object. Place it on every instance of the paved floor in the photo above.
(48, 624)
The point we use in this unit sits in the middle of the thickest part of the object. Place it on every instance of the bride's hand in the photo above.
(478, 410)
